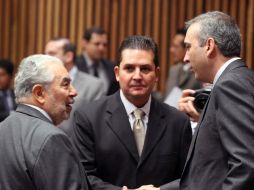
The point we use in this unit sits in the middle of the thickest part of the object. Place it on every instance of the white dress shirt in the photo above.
(101, 71)
(129, 107)
(40, 110)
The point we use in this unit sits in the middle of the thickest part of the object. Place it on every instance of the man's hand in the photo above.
(143, 187)
(148, 187)
(186, 105)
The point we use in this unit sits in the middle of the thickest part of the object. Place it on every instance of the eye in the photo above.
(97, 44)
(145, 69)
(65, 84)
(187, 46)
(129, 68)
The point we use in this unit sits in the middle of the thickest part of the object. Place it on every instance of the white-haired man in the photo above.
(34, 154)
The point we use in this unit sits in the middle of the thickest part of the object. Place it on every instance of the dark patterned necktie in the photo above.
(5, 97)
(95, 70)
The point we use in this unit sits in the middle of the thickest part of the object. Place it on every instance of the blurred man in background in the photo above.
(88, 87)
(7, 98)
(180, 75)
(92, 60)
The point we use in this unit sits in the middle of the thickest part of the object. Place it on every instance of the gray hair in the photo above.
(33, 70)
(222, 28)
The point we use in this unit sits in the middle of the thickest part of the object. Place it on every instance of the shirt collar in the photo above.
(129, 107)
(40, 110)
(88, 60)
(186, 66)
(73, 73)
(222, 68)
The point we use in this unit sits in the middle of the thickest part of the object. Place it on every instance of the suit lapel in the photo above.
(236, 64)
(13, 99)
(2, 102)
(194, 139)
(155, 129)
(107, 69)
(118, 121)
(81, 63)
(32, 112)
(233, 65)
(78, 82)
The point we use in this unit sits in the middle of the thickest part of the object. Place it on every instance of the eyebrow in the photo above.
(66, 79)
(133, 64)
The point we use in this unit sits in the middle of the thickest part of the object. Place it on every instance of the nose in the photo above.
(73, 91)
(137, 74)
(102, 47)
(186, 58)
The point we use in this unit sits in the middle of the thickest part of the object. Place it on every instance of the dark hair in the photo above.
(7, 66)
(97, 30)
(67, 47)
(139, 42)
(70, 47)
(182, 31)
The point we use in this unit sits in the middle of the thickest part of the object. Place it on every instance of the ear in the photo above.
(84, 43)
(116, 70)
(210, 47)
(69, 57)
(39, 93)
(157, 73)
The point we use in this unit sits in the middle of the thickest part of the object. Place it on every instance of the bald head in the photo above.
(63, 49)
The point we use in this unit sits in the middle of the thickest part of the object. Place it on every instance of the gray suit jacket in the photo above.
(221, 155)
(109, 69)
(182, 79)
(106, 145)
(87, 86)
(34, 154)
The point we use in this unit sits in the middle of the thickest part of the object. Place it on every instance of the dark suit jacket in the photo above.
(109, 68)
(34, 154)
(106, 145)
(3, 112)
(221, 155)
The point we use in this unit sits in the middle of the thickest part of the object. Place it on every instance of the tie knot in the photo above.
(138, 113)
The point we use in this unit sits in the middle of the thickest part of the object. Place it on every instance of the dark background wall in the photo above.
(26, 25)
